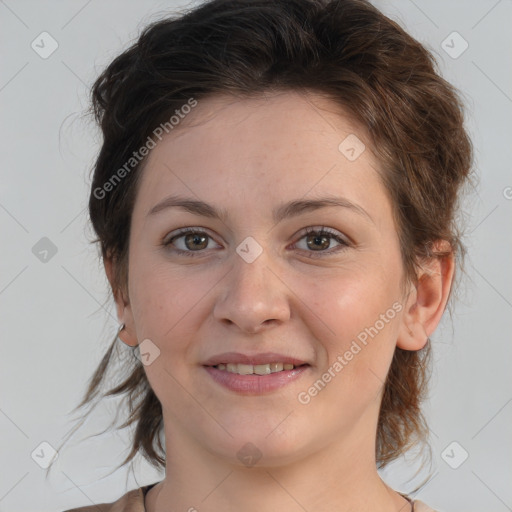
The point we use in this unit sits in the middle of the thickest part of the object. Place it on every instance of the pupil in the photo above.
(196, 239)
(317, 239)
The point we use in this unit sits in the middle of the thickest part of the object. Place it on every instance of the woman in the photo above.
(275, 200)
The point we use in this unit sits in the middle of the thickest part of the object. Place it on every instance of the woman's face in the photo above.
(256, 175)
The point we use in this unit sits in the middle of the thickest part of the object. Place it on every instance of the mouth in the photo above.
(255, 374)
(260, 379)
(256, 369)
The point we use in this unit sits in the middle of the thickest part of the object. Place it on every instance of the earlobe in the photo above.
(126, 337)
(126, 331)
(427, 299)
(412, 336)
(409, 336)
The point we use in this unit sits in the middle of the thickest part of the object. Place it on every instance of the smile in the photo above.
(258, 369)
(255, 379)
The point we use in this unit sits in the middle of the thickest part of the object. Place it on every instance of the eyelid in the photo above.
(324, 229)
(184, 231)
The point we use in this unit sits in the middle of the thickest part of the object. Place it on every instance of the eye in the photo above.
(189, 241)
(319, 240)
(192, 241)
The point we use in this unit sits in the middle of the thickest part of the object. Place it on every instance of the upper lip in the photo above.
(253, 359)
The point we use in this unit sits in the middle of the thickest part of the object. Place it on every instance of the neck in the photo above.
(341, 477)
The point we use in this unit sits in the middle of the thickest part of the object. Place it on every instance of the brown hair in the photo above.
(348, 51)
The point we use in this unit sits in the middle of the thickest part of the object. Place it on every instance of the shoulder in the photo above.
(132, 501)
(419, 506)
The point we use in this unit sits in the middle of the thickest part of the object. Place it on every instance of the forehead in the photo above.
(302, 114)
(279, 145)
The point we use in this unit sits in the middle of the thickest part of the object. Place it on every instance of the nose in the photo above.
(252, 297)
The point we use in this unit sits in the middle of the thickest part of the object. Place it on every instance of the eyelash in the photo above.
(322, 231)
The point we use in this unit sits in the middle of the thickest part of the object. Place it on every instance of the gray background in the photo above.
(57, 321)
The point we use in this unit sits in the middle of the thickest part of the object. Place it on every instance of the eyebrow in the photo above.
(286, 210)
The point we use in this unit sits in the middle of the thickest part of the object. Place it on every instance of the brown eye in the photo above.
(196, 241)
(188, 241)
(319, 240)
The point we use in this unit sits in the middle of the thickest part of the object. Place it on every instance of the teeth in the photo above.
(258, 369)
(245, 369)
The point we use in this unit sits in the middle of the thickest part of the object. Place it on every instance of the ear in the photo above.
(124, 312)
(427, 299)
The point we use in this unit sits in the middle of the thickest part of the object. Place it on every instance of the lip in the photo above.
(256, 384)
(262, 358)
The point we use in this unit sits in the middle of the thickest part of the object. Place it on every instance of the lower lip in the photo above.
(255, 384)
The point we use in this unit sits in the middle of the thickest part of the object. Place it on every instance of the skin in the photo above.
(248, 157)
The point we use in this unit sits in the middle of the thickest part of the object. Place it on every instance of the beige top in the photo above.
(133, 501)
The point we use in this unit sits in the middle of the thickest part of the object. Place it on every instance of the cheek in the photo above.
(360, 313)
(155, 298)
(356, 358)
(168, 302)
(352, 299)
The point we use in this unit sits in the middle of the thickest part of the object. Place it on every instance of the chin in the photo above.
(257, 446)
